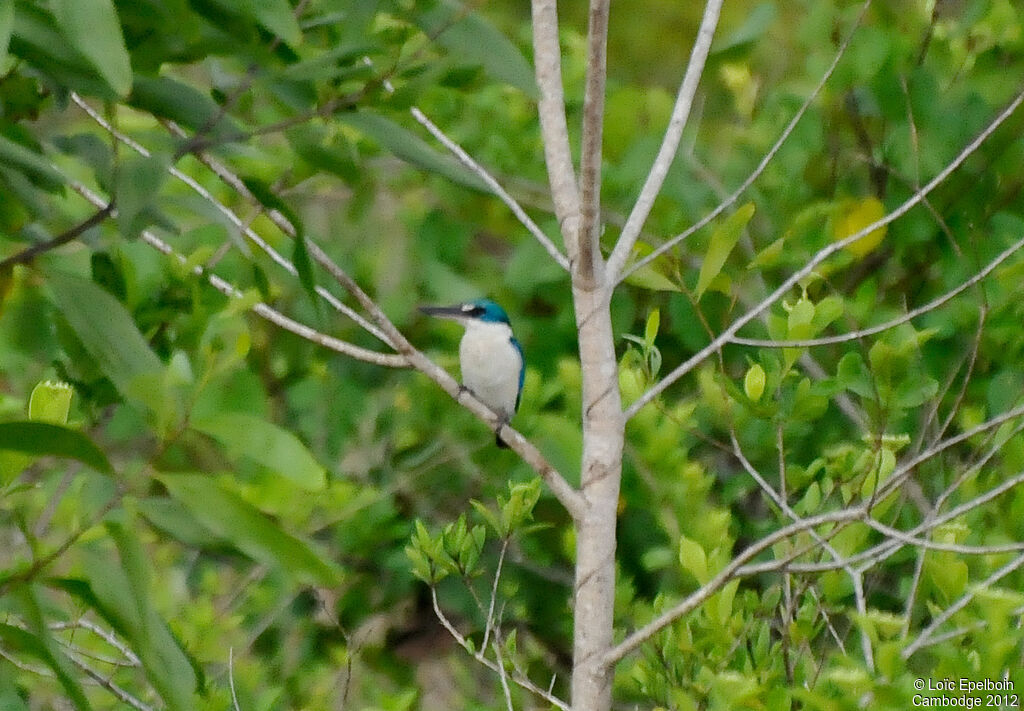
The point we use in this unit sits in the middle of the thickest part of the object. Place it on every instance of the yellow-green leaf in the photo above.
(851, 217)
(693, 558)
(723, 239)
(50, 402)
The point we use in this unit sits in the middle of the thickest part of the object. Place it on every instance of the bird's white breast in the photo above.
(491, 365)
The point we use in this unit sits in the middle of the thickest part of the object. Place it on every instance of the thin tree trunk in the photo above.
(603, 423)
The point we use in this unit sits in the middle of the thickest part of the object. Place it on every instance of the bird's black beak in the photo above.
(444, 311)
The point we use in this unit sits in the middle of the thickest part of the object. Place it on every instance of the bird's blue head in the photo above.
(480, 310)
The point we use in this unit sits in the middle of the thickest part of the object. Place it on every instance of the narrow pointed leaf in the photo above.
(410, 147)
(276, 16)
(47, 439)
(33, 165)
(277, 449)
(106, 330)
(249, 529)
(723, 239)
(93, 29)
(471, 38)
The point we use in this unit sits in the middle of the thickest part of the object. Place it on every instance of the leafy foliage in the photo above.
(219, 489)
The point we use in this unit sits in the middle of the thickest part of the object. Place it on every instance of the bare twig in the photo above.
(27, 255)
(855, 577)
(555, 131)
(731, 200)
(259, 308)
(106, 635)
(481, 172)
(229, 214)
(961, 603)
(892, 323)
(820, 257)
(670, 143)
(478, 654)
(109, 685)
(231, 678)
(488, 625)
(701, 595)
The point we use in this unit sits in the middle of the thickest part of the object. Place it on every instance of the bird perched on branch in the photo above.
(490, 357)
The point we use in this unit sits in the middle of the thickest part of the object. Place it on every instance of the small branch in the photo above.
(961, 603)
(820, 257)
(107, 636)
(231, 678)
(261, 309)
(855, 577)
(502, 674)
(27, 255)
(239, 224)
(883, 550)
(110, 686)
(563, 490)
(731, 200)
(478, 655)
(698, 597)
(588, 235)
(407, 354)
(670, 143)
(892, 323)
(554, 130)
(488, 625)
(517, 210)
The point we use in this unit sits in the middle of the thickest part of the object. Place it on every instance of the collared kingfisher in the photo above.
(490, 357)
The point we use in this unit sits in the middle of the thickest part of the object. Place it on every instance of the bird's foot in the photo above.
(497, 434)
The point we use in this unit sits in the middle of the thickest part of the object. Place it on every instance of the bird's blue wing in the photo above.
(522, 370)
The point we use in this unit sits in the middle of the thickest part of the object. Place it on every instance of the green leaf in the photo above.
(276, 16)
(174, 519)
(723, 239)
(37, 39)
(6, 26)
(120, 593)
(33, 165)
(769, 256)
(93, 29)
(249, 529)
(488, 516)
(107, 331)
(651, 328)
(185, 105)
(471, 38)
(801, 316)
(693, 558)
(332, 152)
(46, 439)
(646, 277)
(300, 256)
(825, 312)
(277, 449)
(852, 374)
(138, 184)
(50, 402)
(410, 148)
(754, 26)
